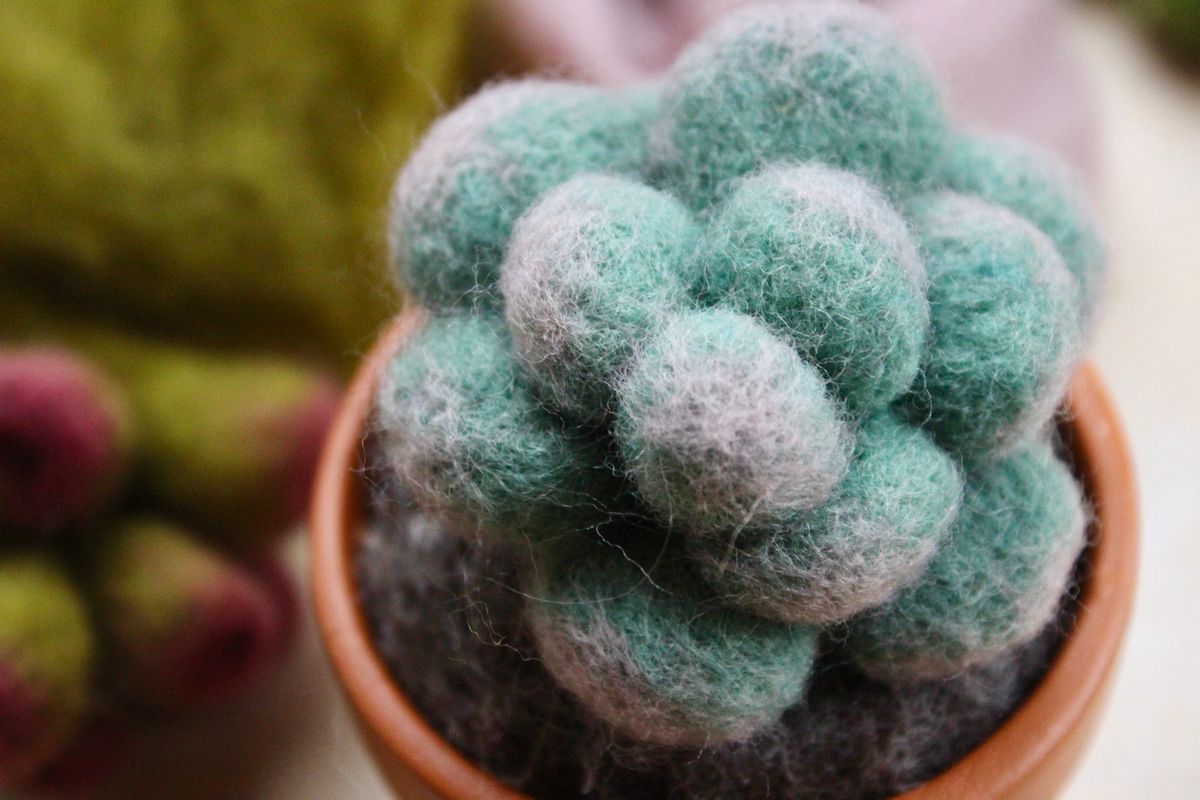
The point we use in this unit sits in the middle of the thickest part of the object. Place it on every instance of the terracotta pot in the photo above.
(1029, 757)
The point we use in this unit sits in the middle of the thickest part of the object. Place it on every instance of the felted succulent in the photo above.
(762, 353)
(188, 207)
(101, 620)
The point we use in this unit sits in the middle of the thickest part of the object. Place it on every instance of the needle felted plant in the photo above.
(739, 380)
(178, 619)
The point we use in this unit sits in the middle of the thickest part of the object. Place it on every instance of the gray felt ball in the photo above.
(996, 581)
(636, 638)
(824, 259)
(1006, 327)
(1038, 186)
(592, 269)
(723, 426)
(463, 431)
(874, 537)
(482, 165)
(826, 81)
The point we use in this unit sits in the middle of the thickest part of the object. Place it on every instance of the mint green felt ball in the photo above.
(995, 583)
(829, 81)
(823, 258)
(874, 537)
(481, 166)
(463, 432)
(1038, 186)
(595, 266)
(635, 637)
(1006, 326)
(722, 425)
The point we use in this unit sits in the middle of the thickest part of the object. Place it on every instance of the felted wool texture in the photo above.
(463, 430)
(445, 614)
(47, 662)
(591, 270)
(482, 165)
(995, 583)
(216, 175)
(183, 625)
(1006, 328)
(226, 443)
(643, 647)
(824, 81)
(1036, 185)
(823, 258)
(857, 739)
(874, 537)
(65, 440)
(722, 425)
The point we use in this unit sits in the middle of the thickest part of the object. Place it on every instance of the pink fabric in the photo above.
(1004, 65)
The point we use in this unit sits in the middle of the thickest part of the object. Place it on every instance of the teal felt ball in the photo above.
(595, 266)
(482, 165)
(1005, 321)
(1038, 186)
(640, 644)
(722, 425)
(826, 261)
(830, 81)
(464, 433)
(873, 538)
(995, 583)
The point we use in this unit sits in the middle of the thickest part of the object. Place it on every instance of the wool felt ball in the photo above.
(1036, 185)
(225, 442)
(995, 582)
(592, 269)
(825, 260)
(47, 662)
(65, 439)
(230, 442)
(186, 627)
(211, 174)
(463, 430)
(825, 81)
(632, 636)
(481, 166)
(875, 536)
(723, 426)
(1006, 326)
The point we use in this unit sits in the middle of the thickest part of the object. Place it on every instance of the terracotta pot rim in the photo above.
(1042, 735)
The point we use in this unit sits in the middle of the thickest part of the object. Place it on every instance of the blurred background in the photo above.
(192, 259)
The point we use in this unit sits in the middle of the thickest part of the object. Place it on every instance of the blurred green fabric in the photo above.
(1175, 23)
(216, 170)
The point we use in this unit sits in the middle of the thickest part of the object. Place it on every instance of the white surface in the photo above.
(1149, 351)
(295, 741)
